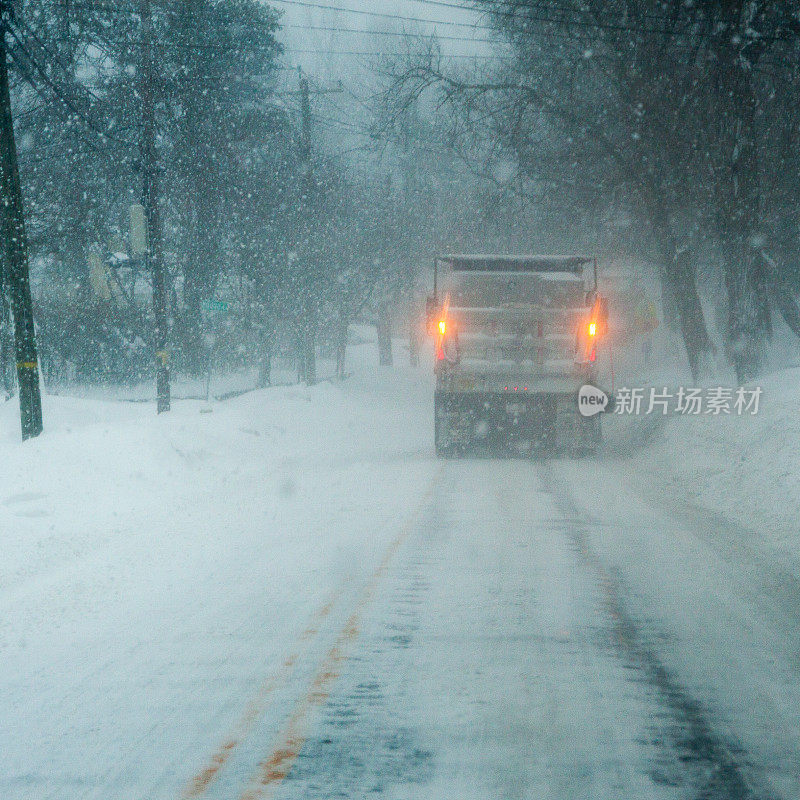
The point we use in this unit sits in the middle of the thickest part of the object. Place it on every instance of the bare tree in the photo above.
(651, 106)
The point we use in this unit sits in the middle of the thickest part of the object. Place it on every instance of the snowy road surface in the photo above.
(291, 598)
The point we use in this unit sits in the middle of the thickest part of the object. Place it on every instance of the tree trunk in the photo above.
(204, 212)
(194, 293)
(341, 346)
(311, 356)
(669, 302)
(6, 346)
(301, 357)
(745, 310)
(384, 330)
(414, 343)
(265, 361)
(265, 370)
(782, 294)
(737, 196)
(307, 351)
(15, 263)
(679, 278)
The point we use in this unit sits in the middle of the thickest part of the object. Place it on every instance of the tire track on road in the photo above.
(274, 769)
(723, 762)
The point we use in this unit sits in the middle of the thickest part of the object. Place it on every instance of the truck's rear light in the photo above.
(593, 355)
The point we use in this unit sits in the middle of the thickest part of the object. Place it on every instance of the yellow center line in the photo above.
(199, 784)
(277, 766)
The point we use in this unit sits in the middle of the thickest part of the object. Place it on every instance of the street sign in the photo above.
(213, 306)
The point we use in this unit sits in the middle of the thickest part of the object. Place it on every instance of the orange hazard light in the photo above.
(442, 327)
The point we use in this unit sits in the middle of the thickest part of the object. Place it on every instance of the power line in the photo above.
(130, 11)
(452, 23)
(409, 18)
(376, 14)
(589, 24)
(220, 48)
(516, 9)
(512, 15)
(438, 37)
(570, 17)
(164, 43)
(401, 34)
(388, 15)
(468, 56)
(167, 43)
(545, 5)
(188, 47)
(350, 126)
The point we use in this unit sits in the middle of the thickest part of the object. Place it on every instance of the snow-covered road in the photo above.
(303, 603)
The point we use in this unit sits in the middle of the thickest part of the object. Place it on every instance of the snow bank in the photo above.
(109, 474)
(743, 467)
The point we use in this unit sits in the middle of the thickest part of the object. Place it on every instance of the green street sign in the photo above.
(216, 306)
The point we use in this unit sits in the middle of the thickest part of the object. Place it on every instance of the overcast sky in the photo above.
(301, 32)
(345, 57)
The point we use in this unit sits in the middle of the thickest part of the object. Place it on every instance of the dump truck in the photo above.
(516, 338)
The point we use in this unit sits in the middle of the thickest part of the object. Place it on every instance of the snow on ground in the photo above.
(719, 615)
(698, 515)
(487, 666)
(743, 467)
(156, 569)
(164, 573)
(136, 549)
(184, 387)
(103, 471)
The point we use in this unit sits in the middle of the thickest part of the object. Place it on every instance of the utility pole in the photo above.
(154, 256)
(305, 139)
(308, 323)
(15, 254)
(308, 360)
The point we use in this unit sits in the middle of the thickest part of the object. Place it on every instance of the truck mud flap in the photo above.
(577, 435)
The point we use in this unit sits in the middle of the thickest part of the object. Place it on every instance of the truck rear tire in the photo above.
(437, 430)
(444, 447)
(591, 438)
